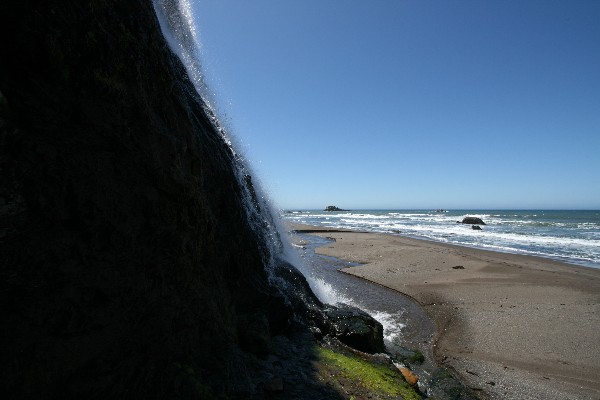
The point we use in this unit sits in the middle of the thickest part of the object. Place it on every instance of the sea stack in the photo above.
(333, 208)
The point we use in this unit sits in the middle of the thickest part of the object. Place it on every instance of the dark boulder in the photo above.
(444, 386)
(472, 221)
(356, 328)
(476, 227)
(297, 290)
(352, 326)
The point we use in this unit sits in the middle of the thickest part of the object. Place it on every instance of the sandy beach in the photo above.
(512, 326)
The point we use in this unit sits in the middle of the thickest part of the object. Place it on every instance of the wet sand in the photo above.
(513, 326)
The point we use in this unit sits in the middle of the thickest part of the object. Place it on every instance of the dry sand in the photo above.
(515, 327)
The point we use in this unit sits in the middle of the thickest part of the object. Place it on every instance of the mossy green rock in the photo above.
(354, 375)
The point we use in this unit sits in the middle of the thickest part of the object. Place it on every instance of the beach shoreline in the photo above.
(513, 326)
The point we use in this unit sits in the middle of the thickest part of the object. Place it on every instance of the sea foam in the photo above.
(571, 236)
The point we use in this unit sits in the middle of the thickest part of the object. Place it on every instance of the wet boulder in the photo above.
(297, 290)
(301, 301)
(355, 328)
(444, 386)
(472, 221)
(352, 326)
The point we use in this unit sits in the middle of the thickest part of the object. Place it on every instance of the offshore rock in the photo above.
(472, 221)
(333, 208)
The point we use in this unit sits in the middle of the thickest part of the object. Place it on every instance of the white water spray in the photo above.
(177, 23)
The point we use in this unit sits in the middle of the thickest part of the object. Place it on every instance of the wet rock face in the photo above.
(356, 328)
(126, 250)
(352, 326)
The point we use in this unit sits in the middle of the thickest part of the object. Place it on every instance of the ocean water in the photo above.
(571, 236)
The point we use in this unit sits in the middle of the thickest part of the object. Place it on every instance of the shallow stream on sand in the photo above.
(406, 326)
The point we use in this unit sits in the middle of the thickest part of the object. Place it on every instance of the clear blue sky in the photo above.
(411, 104)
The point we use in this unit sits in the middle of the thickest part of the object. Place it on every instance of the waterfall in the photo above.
(178, 26)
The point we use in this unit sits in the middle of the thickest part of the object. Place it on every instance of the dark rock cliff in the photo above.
(130, 264)
(127, 259)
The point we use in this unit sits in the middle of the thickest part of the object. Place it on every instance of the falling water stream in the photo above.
(389, 307)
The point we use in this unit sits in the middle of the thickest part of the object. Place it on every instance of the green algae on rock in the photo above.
(356, 375)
